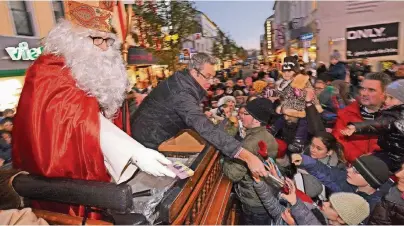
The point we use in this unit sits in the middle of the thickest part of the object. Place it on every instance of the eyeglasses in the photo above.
(354, 170)
(207, 78)
(99, 40)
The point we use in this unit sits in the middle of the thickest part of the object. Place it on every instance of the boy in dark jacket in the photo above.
(389, 126)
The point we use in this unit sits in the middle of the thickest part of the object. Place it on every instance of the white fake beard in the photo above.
(99, 73)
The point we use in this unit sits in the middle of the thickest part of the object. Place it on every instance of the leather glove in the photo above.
(152, 162)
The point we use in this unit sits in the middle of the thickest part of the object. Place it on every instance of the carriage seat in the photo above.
(115, 199)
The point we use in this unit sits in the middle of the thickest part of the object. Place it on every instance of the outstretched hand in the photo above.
(271, 168)
(152, 162)
(348, 131)
(291, 197)
(255, 165)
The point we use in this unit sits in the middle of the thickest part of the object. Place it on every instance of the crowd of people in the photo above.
(6, 126)
(336, 133)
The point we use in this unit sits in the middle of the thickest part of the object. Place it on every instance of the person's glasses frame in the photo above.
(99, 40)
(204, 76)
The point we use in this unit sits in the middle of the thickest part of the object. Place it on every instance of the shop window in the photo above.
(58, 10)
(22, 18)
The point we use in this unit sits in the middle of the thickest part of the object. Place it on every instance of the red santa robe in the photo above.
(57, 128)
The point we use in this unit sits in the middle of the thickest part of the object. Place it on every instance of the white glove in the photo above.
(119, 149)
(152, 162)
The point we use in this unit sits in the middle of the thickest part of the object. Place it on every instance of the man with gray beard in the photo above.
(64, 126)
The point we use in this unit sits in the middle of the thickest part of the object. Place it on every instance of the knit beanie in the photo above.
(290, 64)
(312, 186)
(373, 170)
(352, 208)
(261, 109)
(396, 90)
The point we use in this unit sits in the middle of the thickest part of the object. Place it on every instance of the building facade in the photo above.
(204, 40)
(364, 29)
(372, 29)
(23, 25)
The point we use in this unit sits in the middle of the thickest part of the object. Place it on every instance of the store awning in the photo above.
(140, 56)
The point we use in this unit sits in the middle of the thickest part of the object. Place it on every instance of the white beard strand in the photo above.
(100, 74)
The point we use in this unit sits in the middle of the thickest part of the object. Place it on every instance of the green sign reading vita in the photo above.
(22, 52)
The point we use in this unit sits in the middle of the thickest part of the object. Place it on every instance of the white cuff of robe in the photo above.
(117, 148)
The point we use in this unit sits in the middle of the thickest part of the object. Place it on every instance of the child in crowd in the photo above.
(292, 92)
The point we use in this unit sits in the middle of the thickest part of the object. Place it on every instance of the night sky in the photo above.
(243, 20)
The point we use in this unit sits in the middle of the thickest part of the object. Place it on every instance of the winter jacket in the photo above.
(356, 145)
(337, 71)
(237, 171)
(390, 211)
(173, 106)
(335, 179)
(5, 151)
(301, 212)
(387, 128)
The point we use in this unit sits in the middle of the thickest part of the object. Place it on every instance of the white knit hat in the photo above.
(225, 99)
(352, 208)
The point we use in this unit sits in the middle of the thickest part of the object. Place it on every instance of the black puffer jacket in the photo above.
(390, 128)
(173, 106)
(390, 211)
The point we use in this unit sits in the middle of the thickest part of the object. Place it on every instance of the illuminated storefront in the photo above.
(16, 56)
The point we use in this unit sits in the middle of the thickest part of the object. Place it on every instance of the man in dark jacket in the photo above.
(337, 68)
(174, 105)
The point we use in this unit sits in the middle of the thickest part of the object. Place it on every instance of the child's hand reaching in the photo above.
(291, 197)
(271, 168)
(348, 131)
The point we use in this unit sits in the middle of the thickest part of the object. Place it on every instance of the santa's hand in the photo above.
(152, 162)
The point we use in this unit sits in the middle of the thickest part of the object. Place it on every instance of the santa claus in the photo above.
(71, 97)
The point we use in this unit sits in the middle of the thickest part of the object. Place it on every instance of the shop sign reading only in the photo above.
(22, 52)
